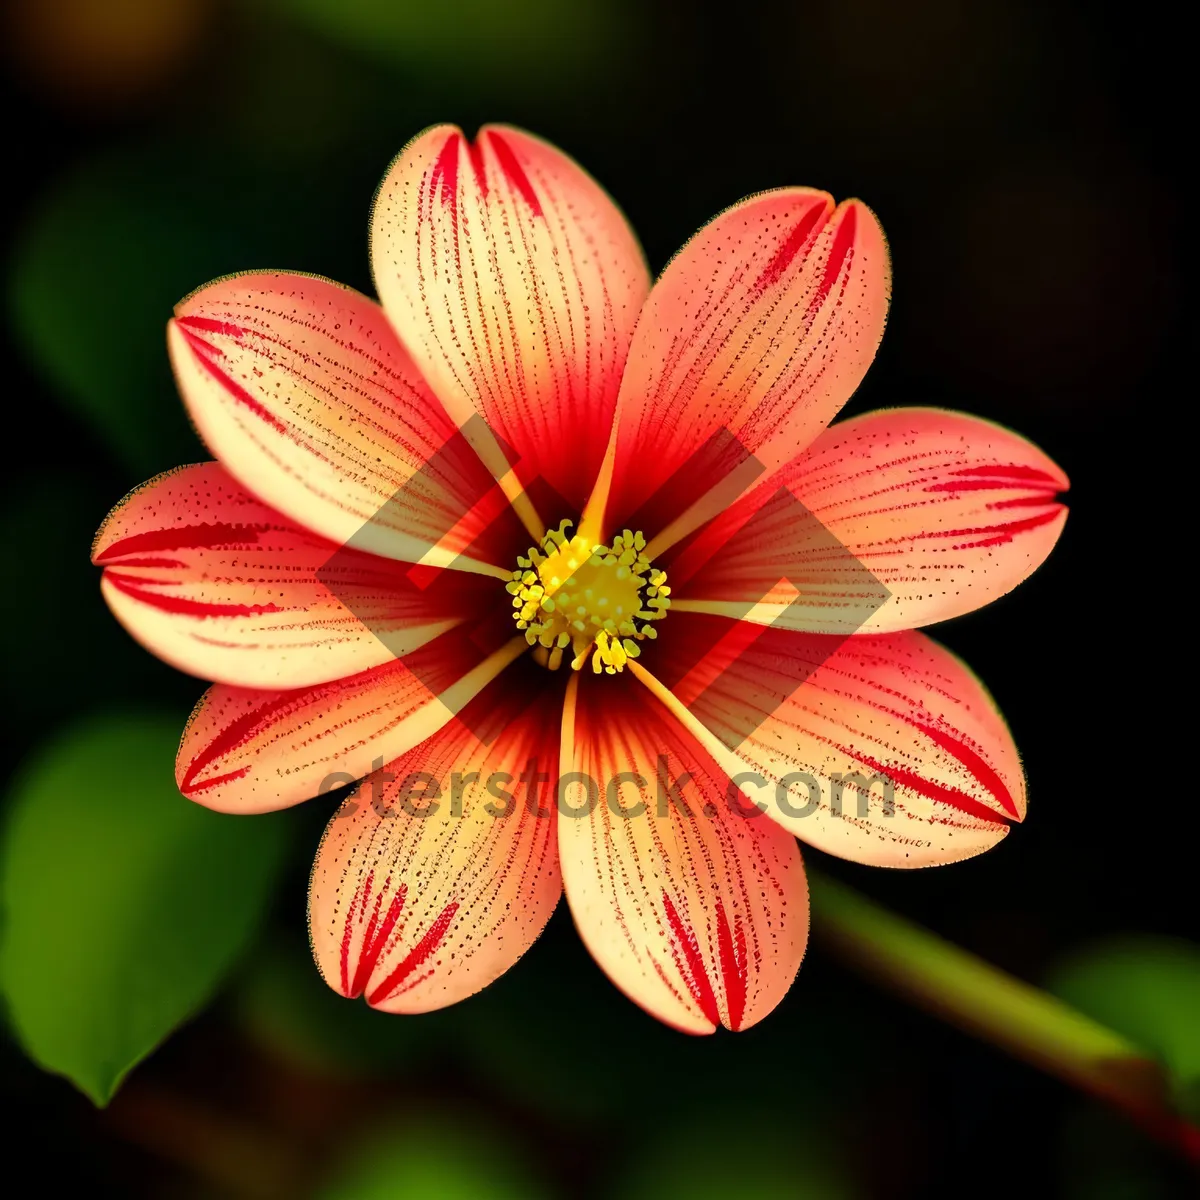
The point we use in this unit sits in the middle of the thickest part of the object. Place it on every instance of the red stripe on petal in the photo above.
(352, 421)
(375, 939)
(982, 770)
(514, 172)
(188, 537)
(436, 665)
(925, 787)
(348, 936)
(475, 151)
(445, 174)
(1010, 471)
(212, 325)
(686, 951)
(731, 946)
(181, 605)
(234, 734)
(760, 328)
(525, 322)
(897, 707)
(415, 957)
(891, 509)
(216, 781)
(200, 347)
(839, 255)
(480, 888)
(1027, 501)
(806, 228)
(231, 385)
(1049, 488)
(162, 564)
(993, 535)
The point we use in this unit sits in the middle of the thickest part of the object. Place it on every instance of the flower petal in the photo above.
(250, 751)
(442, 869)
(884, 750)
(889, 521)
(302, 390)
(516, 283)
(220, 585)
(758, 331)
(694, 910)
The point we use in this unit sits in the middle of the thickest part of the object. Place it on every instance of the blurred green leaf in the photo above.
(750, 1153)
(450, 1159)
(522, 43)
(94, 279)
(285, 1005)
(118, 242)
(544, 1031)
(544, 1034)
(1147, 988)
(124, 904)
(54, 609)
(1104, 1157)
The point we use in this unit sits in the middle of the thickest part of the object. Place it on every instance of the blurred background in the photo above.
(1027, 163)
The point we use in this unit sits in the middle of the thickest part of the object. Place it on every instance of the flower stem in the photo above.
(985, 1001)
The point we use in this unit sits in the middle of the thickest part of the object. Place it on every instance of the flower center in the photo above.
(591, 599)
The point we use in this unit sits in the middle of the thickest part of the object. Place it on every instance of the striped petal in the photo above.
(889, 521)
(251, 751)
(442, 869)
(884, 750)
(220, 585)
(516, 283)
(696, 911)
(302, 390)
(756, 334)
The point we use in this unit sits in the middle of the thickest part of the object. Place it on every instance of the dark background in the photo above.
(1028, 164)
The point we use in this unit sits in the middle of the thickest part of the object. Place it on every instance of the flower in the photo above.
(661, 618)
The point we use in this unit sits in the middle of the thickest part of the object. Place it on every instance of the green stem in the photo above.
(984, 1001)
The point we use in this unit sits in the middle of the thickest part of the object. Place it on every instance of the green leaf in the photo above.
(543, 1035)
(452, 1159)
(524, 44)
(56, 589)
(742, 1152)
(284, 1005)
(1147, 988)
(1104, 1157)
(117, 243)
(93, 282)
(124, 904)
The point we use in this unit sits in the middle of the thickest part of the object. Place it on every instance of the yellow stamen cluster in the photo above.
(591, 599)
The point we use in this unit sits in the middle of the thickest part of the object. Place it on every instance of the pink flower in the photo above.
(735, 584)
